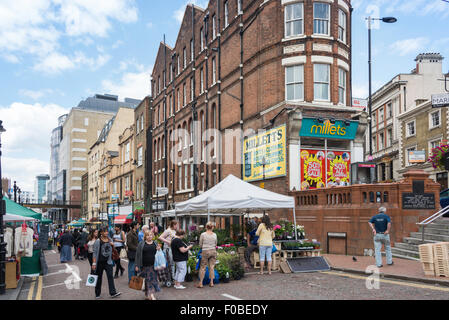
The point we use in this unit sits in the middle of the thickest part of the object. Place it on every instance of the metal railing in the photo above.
(431, 219)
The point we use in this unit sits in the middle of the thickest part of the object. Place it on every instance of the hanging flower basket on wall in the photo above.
(437, 156)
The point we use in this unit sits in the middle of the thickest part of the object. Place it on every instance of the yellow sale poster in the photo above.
(268, 146)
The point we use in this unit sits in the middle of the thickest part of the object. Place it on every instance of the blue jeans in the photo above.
(131, 269)
(384, 239)
(265, 251)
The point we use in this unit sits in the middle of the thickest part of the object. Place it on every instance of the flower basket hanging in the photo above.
(437, 156)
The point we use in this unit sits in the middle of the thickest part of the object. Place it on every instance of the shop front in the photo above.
(322, 155)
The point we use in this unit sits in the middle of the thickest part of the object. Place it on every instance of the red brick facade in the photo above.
(252, 53)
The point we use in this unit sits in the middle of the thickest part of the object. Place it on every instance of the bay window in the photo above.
(342, 25)
(341, 86)
(293, 20)
(321, 81)
(294, 82)
(321, 18)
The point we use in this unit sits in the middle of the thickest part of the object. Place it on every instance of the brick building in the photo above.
(282, 66)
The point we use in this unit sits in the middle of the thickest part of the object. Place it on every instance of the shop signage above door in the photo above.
(311, 127)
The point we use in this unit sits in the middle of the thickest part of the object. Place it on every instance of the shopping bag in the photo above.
(136, 283)
(160, 262)
(123, 254)
(91, 280)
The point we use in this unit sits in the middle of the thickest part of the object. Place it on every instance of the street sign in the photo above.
(161, 191)
(440, 100)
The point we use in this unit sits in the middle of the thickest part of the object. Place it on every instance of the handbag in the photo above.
(91, 280)
(115, 255)
(123, 254)
(136, 283)
(274, 249)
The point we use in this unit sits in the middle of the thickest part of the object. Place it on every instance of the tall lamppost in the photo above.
(2, 234)
(386, 20)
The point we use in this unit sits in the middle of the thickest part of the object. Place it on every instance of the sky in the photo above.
(55, 53)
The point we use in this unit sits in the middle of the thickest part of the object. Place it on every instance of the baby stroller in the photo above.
(164, 275)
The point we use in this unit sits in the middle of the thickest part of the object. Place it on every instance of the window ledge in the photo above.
(322, 36)
(285, 39)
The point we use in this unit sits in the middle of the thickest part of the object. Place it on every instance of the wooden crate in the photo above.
(276, 260)
(426, 253)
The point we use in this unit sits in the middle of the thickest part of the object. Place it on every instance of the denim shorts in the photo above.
(265, 251)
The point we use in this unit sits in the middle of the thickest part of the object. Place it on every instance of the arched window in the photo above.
(186, 134)
(191, 131)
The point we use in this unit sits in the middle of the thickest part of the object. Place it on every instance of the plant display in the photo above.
(191, 263)
(436, 158)
(229, 262)
(223, 236)
(298, 245)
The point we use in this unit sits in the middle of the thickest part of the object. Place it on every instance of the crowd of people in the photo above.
(105, 248)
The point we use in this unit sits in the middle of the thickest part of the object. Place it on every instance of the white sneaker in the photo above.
(179, 287)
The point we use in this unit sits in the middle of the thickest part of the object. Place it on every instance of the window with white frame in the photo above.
(321, 13)
(381, 115)
(159, 84)
(139, 156)
(214, 26)
(142, 117)
(226, 14)
(389, 137)
(191, 176)
(202, 39)
(105, 188)
(179, 66)
(164, 84)
(239, 7)
(294, 16)
(389, 110)
(342, 86)
(434, 144)
(179, 100)
(127, 183)
(184, 95)
(374, 144)
(321, 81)
(341, 25)
(214, 71)
(191, 132)
(410, 127)
(294, 82)
(137, 189)
(202, 80)
(171, 72)
(192, 92)
(186, 177)
(381, 141)
(184, 64)
(434, 118)
(192, 52)
(114, 187)
(141, 189)
(127, 152)
(179, 177)
(179, 133)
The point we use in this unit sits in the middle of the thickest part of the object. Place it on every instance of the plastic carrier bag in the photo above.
(160, 262)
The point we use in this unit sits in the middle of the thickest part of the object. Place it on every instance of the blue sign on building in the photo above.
(311, 127)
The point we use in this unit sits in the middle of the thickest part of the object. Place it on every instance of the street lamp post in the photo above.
(2, 234)
(386, 20)
(15, 191)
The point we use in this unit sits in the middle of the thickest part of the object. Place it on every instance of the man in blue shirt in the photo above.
(381, 225)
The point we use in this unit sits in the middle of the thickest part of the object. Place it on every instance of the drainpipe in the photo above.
(194, 111)
(165, 124)
(220, 145)
(207, 103)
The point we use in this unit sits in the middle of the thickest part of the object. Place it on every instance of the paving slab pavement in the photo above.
(401, 269)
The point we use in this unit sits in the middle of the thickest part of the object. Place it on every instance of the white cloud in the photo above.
(57, 62)
(26, 142)
(132, 85)
(360, 91)
(35, 95)
(179, 13)
(407, 46)
(36, 27)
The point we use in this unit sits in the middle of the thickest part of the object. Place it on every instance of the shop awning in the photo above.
(46, 221)
(123, 219)
(17, 209)
(15, 218)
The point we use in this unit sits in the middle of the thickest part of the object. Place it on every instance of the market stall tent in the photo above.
(15, 218)
(234, 196)
(17, 209)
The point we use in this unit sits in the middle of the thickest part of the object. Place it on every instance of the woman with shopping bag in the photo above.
(145, 261)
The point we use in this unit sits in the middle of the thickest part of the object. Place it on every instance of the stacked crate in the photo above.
(427, 259)
(441, 259)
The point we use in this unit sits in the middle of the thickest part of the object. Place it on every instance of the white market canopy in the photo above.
(15, 218)
(233, 194)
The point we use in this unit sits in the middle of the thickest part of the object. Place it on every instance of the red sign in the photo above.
(338, 164)
(129, 193)
(312, 169)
